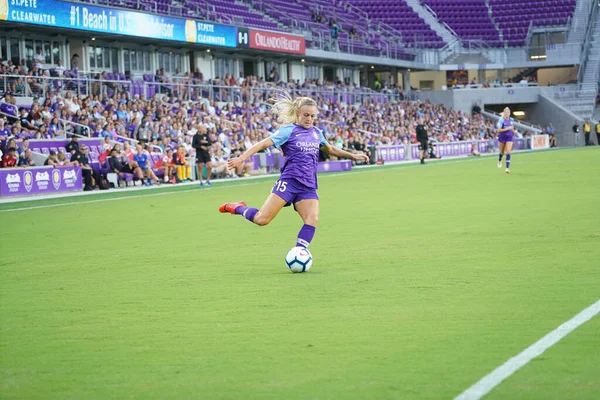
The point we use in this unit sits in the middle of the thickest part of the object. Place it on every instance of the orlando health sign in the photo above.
(80, 16)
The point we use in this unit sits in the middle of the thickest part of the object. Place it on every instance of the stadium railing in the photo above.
(84, 85)
(492, 115)
(585, 47)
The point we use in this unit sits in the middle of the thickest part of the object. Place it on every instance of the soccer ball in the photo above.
(298, 259)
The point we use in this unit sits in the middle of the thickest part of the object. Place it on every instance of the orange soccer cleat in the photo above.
(230, 207)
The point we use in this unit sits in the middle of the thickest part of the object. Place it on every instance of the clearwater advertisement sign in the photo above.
(81, 16)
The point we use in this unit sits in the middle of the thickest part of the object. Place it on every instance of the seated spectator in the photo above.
(167, 165)
(119, 167)
(25, 159)
(144, 132)
(60, 68)
(91, 177)
(143, 161)
(60, 134)
(106, 145)
(26, 120)
(4, 130)
(52, 159)
(61, 160)
(23, 148)
(184, 170)
(9, 160)
(73, 146)
(75, 62)
(128, 151)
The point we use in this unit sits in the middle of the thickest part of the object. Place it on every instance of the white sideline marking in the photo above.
(493, 379)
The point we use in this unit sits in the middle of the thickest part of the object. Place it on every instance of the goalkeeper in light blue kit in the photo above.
(299, 142)
(506, 132)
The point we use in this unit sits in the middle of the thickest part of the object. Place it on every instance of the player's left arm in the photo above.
(334, 151)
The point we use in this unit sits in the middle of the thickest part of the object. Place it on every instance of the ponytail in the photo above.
(285, 108)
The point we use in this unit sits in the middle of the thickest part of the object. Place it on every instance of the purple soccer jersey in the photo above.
(506, 136)
(301, 149)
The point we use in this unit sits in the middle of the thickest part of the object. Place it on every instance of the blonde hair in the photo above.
(286, 108)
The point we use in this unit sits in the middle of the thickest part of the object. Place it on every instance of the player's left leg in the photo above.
(508, 148)
(309, 212)
(209, 167)
(199, 166)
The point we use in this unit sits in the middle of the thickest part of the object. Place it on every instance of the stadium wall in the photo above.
(547, 76)
(463, 99)
(438, 78)
(548, 110)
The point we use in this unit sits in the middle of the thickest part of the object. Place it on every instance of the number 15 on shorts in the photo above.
(280, 186)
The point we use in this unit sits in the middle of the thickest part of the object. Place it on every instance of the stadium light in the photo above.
(519, 113)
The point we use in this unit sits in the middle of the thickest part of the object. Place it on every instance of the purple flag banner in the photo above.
(334, 166)
(39, 180)
(391, 153)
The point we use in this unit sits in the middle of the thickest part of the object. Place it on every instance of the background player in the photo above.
(506, 130)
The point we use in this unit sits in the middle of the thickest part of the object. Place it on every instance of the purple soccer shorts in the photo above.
(293, 191)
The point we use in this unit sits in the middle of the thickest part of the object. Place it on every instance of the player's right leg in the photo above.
(501, 153)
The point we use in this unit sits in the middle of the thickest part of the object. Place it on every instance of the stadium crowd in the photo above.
(168, 121)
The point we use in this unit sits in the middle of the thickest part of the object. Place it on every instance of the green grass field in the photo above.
(425, 279)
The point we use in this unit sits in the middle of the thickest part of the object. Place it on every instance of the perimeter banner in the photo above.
(39, 180)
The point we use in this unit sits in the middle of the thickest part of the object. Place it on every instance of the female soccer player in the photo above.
(300, 141)
(506, 130)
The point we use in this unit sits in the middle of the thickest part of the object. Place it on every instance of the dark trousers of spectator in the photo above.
(587, 138)
(87, 175)
(598, 139)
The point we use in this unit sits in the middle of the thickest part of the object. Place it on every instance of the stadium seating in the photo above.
(486, 20)
(514, 19)
(401, 17)
(469, 19)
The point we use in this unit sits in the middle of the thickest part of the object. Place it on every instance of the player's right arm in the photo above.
(500, 128)
(277, 139)
(234, 163)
